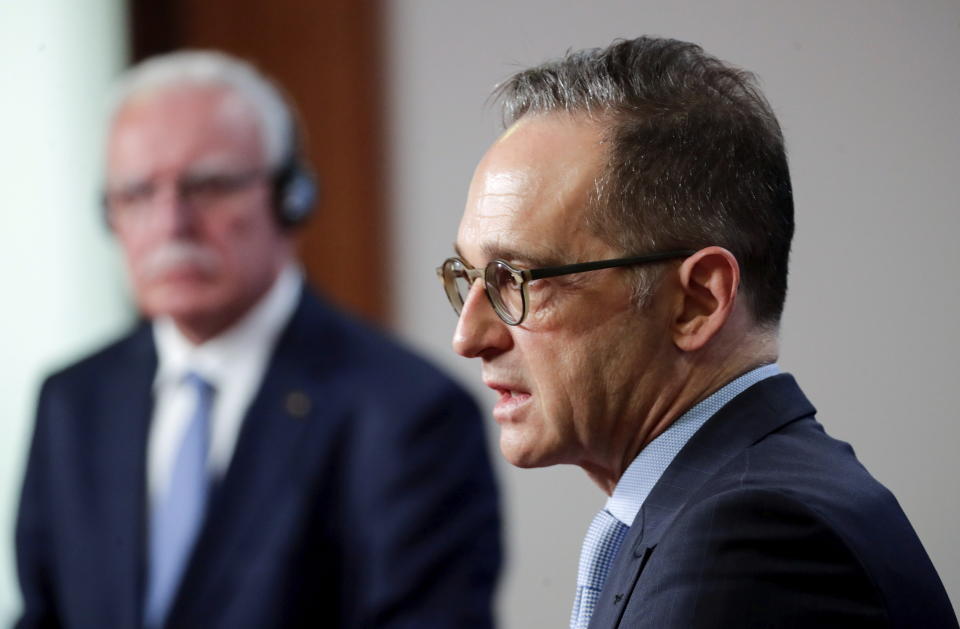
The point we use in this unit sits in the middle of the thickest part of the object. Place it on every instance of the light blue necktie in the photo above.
(178, 514)
(599, 549)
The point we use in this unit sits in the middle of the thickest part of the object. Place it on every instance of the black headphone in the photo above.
(294, 186)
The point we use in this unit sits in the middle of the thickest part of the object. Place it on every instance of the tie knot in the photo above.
(200, 385)
(600, 547)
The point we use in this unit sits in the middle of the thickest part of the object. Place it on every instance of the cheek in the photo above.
(557, 369)
(247, 248)
(135, 248)
(543, 310)
(245, 234)
(231, 242)
(572, 374)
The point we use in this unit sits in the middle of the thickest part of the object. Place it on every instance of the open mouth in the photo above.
(509, 402)
(508, 395)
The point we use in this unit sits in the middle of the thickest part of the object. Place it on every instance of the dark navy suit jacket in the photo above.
(360, 494)
(763, 520)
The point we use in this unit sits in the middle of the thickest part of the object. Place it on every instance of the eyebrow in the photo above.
(522, 258)
(200, 170)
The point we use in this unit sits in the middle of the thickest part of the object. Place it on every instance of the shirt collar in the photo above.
(645, 470)
(252, 334)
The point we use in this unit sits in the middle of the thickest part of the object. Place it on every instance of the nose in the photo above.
(171, 214)
(479, 331)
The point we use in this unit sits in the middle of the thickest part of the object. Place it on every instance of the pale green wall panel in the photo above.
(63, 291)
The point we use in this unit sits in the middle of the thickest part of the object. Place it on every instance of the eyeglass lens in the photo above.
(199, 191)
(503, 291)
(461, 286)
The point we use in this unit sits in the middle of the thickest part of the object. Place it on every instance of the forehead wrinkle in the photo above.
(497, 205)
(503, 186)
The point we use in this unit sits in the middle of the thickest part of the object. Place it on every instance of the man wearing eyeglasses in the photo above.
(248, 457)
(620, 271)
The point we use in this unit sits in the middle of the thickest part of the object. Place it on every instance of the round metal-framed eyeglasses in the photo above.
(506, 286)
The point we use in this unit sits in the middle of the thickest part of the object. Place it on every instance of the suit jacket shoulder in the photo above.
(80, 523)
(97, 372)
(763, 520)
(341, 347)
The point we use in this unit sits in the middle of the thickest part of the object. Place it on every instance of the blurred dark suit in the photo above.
(359, 494)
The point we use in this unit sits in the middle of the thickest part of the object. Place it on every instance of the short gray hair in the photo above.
(214, 69)
(696, 156)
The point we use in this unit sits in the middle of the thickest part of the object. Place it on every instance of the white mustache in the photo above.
(171, 255)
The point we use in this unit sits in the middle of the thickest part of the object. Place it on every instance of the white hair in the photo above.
(214, 69)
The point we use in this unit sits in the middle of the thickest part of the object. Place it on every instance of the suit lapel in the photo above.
(121, 474)
(280, 422)
(763, 408)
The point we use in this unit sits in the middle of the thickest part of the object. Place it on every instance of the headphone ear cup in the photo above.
(295, 194)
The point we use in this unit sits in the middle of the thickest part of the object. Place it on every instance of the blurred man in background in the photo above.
(621, 270)
(247, 456)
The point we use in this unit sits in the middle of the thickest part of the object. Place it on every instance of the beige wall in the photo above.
(868, 96)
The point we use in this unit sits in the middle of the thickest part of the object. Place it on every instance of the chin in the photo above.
(180, 298)
(207, 315)
(521, 451)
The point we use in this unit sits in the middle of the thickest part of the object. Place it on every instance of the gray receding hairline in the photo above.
(209, 68)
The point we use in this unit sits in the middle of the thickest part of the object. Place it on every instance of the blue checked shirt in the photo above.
(645, 470)
(610, 526)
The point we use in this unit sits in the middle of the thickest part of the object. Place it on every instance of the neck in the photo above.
(693, 378)
(199, 330)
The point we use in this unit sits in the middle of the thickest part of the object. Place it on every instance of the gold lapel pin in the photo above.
(298, 404)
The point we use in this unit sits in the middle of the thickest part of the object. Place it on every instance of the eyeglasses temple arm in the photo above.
(582, 267)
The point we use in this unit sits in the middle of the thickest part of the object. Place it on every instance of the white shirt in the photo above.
(233, 362)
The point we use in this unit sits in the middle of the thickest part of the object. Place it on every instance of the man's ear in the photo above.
(708, 289)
